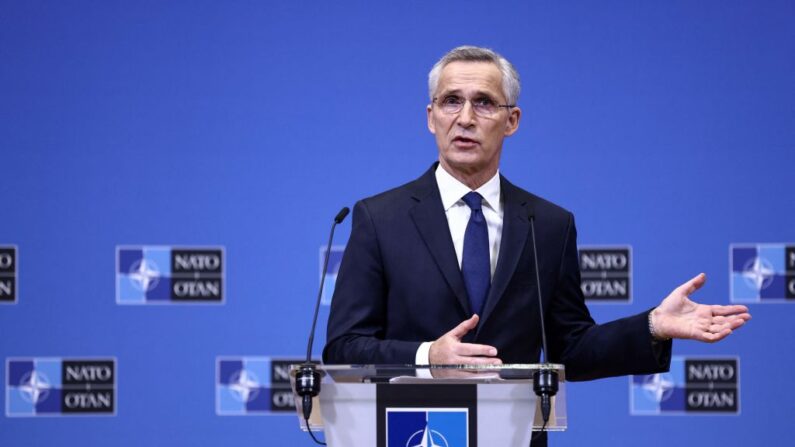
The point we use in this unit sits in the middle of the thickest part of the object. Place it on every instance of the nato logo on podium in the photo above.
(427, 427)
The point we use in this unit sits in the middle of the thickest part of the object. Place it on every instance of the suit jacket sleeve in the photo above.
(358, 309)
(590, 350)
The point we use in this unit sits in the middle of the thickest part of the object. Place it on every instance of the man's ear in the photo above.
(431, 125)
(513, 121)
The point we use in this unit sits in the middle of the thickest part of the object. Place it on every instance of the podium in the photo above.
(432, 405)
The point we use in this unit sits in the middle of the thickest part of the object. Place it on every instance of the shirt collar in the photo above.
(453, 190)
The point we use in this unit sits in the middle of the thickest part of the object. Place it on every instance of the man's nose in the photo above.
(467, 114)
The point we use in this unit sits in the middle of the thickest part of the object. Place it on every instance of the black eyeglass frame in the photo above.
(474, 107)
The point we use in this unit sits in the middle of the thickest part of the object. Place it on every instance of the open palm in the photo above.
(680, 317)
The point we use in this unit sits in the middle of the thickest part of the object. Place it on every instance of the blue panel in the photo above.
(677, 372)
(260, 400)
(776, 288)
(50, 402)
(643, 402)
(742, 289)
(19, 405)
(776, 256)
(261, 369)
(17, 370)
(51, 369)
(230, 402)
(161, 290)
(675, 401)
(227, 369)
(161, 258)
(128, 258)
(451, 425)
(402, 425)
(128, 292)
(742, 256)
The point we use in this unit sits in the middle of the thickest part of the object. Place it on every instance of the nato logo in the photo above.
(169, 275)
(762, 273)
(693, 385)
(334, 261)
(47, 386)
(253, 386)
(8, 274)
(606, 273)
(427, 427)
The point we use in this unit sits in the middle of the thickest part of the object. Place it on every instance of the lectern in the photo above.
(438, 405)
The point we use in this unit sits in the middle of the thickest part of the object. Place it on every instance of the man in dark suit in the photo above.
(441, 270)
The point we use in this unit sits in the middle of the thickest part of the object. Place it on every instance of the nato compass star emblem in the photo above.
(762, 273)
(244, 386)
(659, 386)
(425, 427)
(252, 385)
(758, 273)
(144, 275)
(427, 438)
(34, 387)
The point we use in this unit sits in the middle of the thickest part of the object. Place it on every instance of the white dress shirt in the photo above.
(457, 212)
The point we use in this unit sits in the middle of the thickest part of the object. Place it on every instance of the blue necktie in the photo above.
(475, 264)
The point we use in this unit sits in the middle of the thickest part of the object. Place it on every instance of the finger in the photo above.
(464, 327)
(731, 319)
(718, 328)
(735, 323)
(471, 349)
(721, 320)
(478, 361)
(694, 284)
(711, 337)
(729, 310)
(718, 324)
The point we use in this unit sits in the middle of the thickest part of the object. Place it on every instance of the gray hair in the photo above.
(510, 77)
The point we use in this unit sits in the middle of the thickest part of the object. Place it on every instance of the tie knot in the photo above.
(473, 200)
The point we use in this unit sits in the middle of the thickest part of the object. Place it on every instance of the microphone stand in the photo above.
(545, 380)
(307, 379)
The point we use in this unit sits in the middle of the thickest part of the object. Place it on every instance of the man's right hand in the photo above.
(448, 349)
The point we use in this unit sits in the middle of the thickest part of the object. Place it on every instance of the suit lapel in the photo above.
(515, 230)
(431, 222)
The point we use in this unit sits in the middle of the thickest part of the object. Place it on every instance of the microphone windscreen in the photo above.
(342, 215)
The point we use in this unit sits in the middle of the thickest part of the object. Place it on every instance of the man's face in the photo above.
(470, 144)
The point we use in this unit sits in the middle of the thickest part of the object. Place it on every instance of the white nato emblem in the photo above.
(427, 438)
(245, 385)
(659, 386)
(34, 387)
(758, 273)
(144, 275)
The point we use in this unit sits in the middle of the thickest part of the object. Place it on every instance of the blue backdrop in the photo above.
(248, 124)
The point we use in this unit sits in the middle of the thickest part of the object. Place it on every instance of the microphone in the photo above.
(545, 381)
(307, 380)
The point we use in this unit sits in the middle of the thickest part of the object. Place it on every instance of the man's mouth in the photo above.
(464, 141)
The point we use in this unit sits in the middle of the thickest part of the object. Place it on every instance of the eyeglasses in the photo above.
(483, 106)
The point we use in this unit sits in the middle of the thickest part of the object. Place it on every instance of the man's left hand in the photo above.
(679, 317)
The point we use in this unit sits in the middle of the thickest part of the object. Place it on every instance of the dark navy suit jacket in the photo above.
(400, 285)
